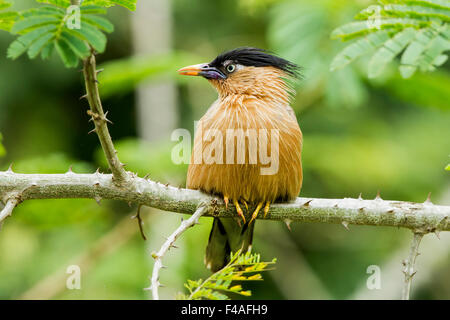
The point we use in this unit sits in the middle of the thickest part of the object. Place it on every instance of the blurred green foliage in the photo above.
(2, 148)
(416, 30)
(360, 135)
(243, 267)
(7, 17)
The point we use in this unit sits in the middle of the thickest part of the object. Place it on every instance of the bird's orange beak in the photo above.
(193, 70)
(202, 69)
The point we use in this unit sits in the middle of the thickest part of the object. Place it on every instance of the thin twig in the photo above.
(121, 177)
(140, 222)
(409, 264)
(10, 204)
(186, 224)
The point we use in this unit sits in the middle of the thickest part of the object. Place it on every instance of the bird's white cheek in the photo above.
(239, 67)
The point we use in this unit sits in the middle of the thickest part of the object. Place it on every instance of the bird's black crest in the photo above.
(255, 57)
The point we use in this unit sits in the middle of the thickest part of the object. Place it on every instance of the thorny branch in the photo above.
(169, 243)
(121, 177)
(420, 217)
(409, 264)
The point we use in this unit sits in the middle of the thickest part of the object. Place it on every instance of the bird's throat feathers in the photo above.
(264, 83)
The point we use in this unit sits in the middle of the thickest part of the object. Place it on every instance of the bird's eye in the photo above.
(231, 68)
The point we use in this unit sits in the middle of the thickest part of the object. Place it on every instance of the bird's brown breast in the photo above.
(265, 132)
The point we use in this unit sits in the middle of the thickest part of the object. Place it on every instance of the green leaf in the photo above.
(41, 29)
(417, 11)
(389, 51)
(21, 44)
(58, 3)
(44, 11)
(359, 48)
(411, 57)
(447, 167)
(420, 26)
(47, 50)
(355, 29)
(67, 55)
(221, 281)
(129, 4)
(428, 3)
(33, 22)
(39, 44)
(92, 35)
(78, 46)
(99, 22)
(90, 9)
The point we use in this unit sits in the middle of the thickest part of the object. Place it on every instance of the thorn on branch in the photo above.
(106, 119)
(140, 222)
(360, 196)
(378, 196)
(306, 204)
(288, 223)
(98, 199)
(428, 200)
(345, 224)
(10, 169)
(437, 233)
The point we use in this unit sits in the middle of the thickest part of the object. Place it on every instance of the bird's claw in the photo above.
(239, 210)
(266, 208)
(245, 204)
(255, 213)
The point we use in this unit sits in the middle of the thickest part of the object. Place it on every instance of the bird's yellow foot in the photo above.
(239, 210)
(266, 208)
(225, 199)
(255, 213)
(245, 204)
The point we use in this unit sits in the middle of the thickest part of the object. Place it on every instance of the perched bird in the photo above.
(250, 120)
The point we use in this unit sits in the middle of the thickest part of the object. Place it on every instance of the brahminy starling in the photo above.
(247, 147)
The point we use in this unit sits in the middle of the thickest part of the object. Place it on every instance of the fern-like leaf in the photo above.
(43, 29)
(418, 30)
(129, 4)
(242, 267)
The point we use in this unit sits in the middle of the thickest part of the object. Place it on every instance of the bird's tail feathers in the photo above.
(227, 236)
